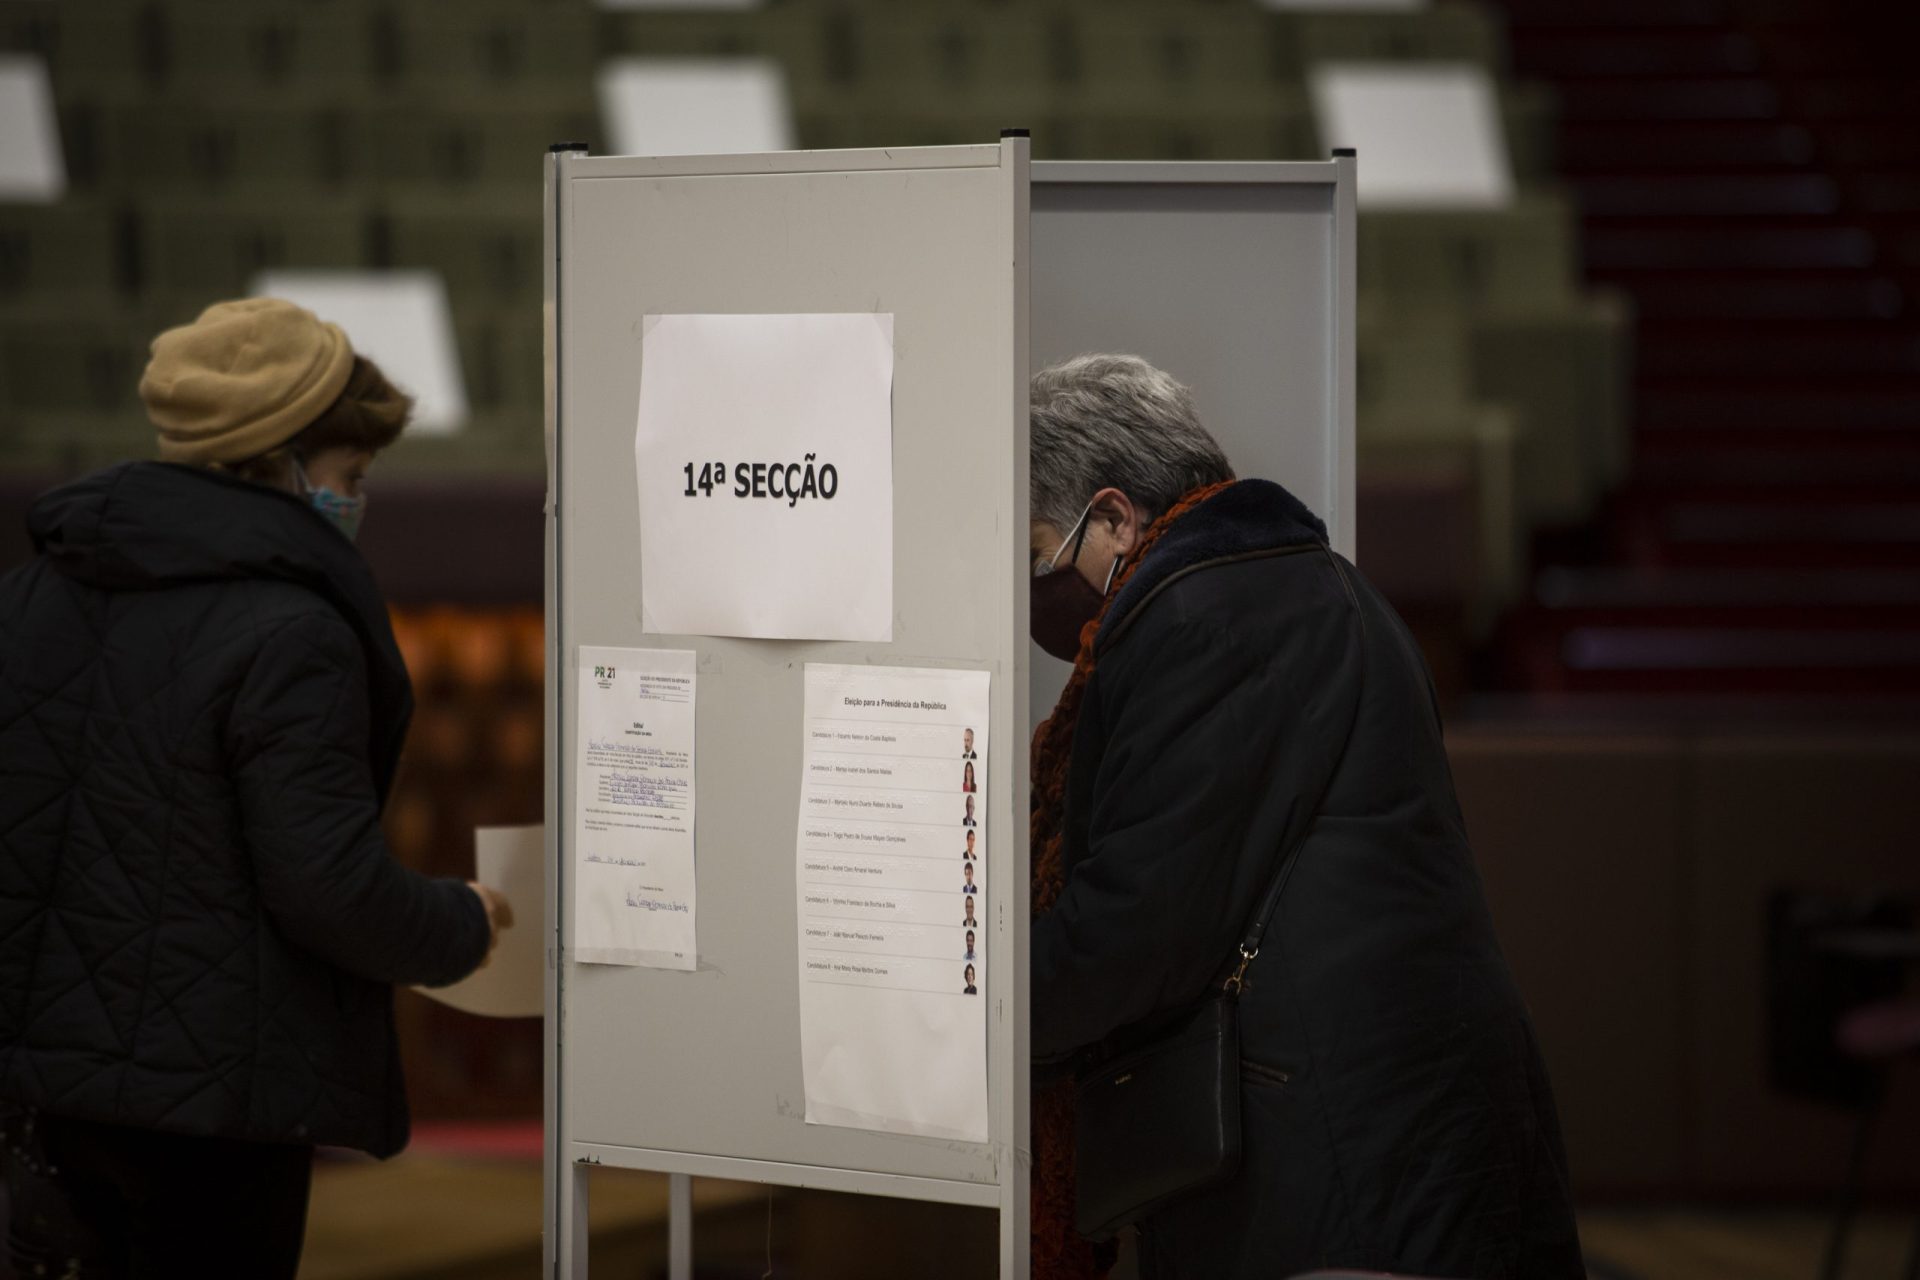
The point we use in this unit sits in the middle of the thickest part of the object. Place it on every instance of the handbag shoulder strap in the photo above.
(1270, 901)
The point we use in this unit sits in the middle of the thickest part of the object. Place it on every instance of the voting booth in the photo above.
(790, 688)
(1235, 278)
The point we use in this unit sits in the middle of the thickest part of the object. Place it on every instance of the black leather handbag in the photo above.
(1158, 1124)
(1160, 1120)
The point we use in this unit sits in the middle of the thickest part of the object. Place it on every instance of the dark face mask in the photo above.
(1061, 602)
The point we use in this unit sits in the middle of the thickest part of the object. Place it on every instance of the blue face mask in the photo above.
(342, 513)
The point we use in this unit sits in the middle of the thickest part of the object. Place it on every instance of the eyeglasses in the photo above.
(1041, 568)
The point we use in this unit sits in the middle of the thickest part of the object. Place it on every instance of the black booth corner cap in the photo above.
(1016, 133)
(1346, 151)
(559, 147)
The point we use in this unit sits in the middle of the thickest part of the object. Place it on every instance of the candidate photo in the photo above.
(969, 922)
(966, 780)
(968, 820)
(969, 855)
(969, 944)
(972, 990)
(966, 746)
(970, 885)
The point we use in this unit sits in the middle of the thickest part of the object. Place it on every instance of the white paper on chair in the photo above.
(401, 320)
(690, 106)
(1429, 134)
(32, 165)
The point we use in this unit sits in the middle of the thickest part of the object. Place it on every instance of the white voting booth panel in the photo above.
(699, 1073)
(1236, 278)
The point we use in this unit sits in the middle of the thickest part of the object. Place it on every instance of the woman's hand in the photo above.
(499, 915)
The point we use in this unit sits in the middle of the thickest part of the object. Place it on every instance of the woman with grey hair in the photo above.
(1240, 695)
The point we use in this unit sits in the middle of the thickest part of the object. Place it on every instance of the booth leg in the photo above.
(570, 1237)
(680, 1227)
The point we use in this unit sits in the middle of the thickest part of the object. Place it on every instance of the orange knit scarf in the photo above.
(1059, 1253)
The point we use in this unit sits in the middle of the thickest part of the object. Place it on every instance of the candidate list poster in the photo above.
(891, 872)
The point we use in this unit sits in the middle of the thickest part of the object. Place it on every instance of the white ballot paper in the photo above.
(892, 873)
(633, 810)
(764, 458)
(513, 984)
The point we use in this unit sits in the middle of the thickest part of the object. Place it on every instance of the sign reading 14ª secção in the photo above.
(763, 457)
(792, 481)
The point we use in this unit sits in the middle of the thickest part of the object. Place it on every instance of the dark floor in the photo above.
(435, 1218)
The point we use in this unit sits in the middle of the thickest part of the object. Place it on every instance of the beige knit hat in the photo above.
(243, 379)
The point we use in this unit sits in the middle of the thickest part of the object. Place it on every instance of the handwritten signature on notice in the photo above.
(656, 904)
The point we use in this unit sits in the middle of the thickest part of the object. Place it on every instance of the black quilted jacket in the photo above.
(201, 707)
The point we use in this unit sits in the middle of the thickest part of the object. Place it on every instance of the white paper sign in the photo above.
(764, 457)
(513, 983)
(891, 874)
(633, 808)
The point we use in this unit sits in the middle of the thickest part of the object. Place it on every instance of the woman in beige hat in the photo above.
(201, 708)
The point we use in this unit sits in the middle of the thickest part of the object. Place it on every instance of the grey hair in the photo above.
(1115, 420)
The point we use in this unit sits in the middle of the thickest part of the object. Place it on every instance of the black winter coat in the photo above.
(201, 708)
(1396, 1113)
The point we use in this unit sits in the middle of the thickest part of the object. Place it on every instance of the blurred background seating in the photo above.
(210, 145)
